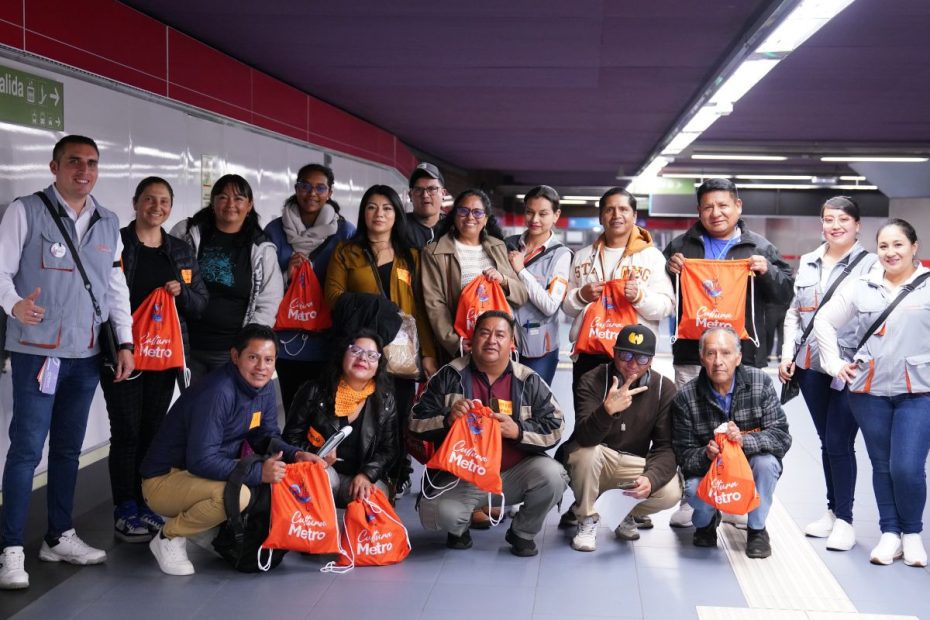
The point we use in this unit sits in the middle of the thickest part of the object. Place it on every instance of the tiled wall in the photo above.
(112, 40)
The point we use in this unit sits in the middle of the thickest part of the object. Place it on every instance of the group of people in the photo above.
(66, 267)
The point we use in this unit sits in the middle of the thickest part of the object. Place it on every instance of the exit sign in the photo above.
(30, 100)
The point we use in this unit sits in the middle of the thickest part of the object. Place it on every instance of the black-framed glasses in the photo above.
(432, 190)
(319, 188)
(464, 212)
(626, 356)
(357, 351)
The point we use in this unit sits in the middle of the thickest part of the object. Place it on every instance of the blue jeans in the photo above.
(62, 417)
(896, 430)
(766, 470)
(837, 428)
(544, 366)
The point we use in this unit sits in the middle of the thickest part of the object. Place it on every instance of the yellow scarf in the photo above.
(348, 399)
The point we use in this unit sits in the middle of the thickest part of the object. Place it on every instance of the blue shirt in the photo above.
(717, 248)
(725, 401)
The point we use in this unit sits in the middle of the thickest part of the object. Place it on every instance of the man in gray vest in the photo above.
(52, 334)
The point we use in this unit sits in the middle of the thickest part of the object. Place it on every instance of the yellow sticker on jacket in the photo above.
(316, 440)
(404, 276)
(186, 275)
(505, 406)
(256, 420)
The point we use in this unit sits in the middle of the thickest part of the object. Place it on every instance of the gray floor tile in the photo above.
(480, 600)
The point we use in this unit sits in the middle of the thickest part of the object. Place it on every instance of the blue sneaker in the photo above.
(127, 525)
(151, 520)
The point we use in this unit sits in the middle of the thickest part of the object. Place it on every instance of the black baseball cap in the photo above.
(425, 169)
(636, 339)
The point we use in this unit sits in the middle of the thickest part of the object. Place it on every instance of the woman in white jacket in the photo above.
(239, 266)
(624, 250)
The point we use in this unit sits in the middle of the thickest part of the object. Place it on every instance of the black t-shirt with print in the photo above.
(226, 267)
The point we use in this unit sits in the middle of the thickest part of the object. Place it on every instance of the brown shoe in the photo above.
(480, 520)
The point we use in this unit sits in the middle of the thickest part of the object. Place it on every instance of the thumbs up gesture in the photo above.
(620, 397)
(273, 468)
(27, 311)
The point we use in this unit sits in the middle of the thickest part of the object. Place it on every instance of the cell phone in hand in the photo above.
(626, 486)
(334, 440)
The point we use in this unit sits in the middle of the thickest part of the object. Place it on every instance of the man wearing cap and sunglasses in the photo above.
(427, 191)
(622, 438)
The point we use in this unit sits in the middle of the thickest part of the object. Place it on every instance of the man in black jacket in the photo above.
(721, 234)
(427, 191)
(530, 423)
(623, 436)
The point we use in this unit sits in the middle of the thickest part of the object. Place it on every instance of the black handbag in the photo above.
(106, 338)
(790, 388)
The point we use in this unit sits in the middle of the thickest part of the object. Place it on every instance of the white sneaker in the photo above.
(586, 537)
(737, 521)
(12, 574)
(682, 516)
(171, 554)
(822, 527)
(72, 550)
(843, 536)
(887, 550)
(914, 552)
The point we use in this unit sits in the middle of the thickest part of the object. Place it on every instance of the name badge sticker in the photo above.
(256, 420)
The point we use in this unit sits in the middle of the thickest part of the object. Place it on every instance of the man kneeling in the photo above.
(201, 439)
(623, 436)
(743, 398)
(530, 423)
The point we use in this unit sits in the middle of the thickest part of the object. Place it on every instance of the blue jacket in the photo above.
(204, 430)
(297, 345)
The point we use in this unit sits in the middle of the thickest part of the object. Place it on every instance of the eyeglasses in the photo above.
(464, 212)
(357, 351)
(432, 190)
(319, 188)
(626, 356)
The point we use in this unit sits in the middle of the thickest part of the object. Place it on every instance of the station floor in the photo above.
(661, 576)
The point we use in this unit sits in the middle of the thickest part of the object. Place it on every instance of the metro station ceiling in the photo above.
(581, 92)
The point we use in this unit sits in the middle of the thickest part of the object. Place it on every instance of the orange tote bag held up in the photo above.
(712, 293)
(303, 307)
(728, 484)
(603, 320)
(156, 332)
(479, 296)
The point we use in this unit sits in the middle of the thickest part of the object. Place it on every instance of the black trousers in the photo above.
(136, 408)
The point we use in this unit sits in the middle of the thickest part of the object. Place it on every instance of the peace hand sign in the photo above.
(620, 397)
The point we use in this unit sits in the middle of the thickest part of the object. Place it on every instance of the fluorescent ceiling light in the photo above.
(573, 202)
(876, 159)
(709, 175)
(852, 178)
(745, 77)
(803, 186)
(775, 177)
(644, 182)
(855, 187)
(706, 116)
(594, 198)
(804, 21)
(680, 142)
(737, 157)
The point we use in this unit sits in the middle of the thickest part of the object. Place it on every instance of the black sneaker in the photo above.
(643, 523)
(707, 536)
(458, 542)
(520, 546)
(568, 519)
(757, 544)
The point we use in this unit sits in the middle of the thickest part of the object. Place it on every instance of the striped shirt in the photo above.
(473, 260)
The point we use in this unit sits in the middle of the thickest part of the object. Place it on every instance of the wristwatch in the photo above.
(127, 346)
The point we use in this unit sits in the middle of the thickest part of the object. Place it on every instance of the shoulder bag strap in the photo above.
(905, 291)
(551, 248)
(231, 493)
(74, 253)
(836, 284)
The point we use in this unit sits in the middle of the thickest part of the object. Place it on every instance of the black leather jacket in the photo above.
(194, 296)
(314, 405)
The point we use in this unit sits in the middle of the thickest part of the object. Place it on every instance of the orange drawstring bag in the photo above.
(713, 293)
(603, 320)
(303, 512)
(303, 307)
(728, 485)
(479, 296)
(156, 332)
(470, 452)
(372, 533)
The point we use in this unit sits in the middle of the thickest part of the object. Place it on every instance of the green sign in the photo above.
(665, 185)
(30, 100)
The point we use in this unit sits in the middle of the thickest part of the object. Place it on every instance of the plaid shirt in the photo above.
(755, 409)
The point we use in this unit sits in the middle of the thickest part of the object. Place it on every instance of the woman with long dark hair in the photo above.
(152, 259)
(308, 230)
(469, 243)
(379, 260)
(238, 264)
(838, 261)
(353, 391)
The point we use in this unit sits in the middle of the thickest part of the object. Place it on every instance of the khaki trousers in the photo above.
(193, 504)
(598, 469)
